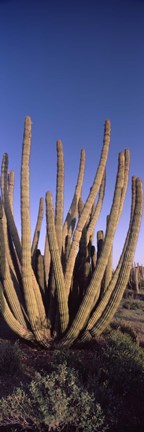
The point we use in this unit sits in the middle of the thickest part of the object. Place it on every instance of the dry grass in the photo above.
(131, 313)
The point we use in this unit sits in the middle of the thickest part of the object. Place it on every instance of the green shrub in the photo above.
(56, 401)
(116, 376)
(9, 357)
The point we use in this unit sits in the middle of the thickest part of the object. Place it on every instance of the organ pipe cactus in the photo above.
(136, 279)
(70, 293)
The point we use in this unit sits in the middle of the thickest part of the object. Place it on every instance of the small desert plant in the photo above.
(56, 401)
(117, 379)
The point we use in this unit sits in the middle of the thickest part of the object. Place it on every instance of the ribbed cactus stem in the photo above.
(80, 206)
(40, 272)
(27, 277)
(11, 189)
(5, 275)
(67, 250)
(97, 209)
(12, 322)
(87, 208)
(136, 277)
(59, 194)
(93, 258)
(108, 270)
(38, 227)
(9, 215)
(126, 177)
(115, 298)
(56, 261)
(102, 304)
(47, 260)
(2, 246)
(72, 213)
(100, 242)
(94, 286)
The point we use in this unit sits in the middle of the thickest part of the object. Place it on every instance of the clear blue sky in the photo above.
(70, 65)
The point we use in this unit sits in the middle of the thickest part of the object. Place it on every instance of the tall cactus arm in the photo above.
(2, 246)
(10, 252)
(9, 215)
(97, 210)
(100, 242)
(47, 260)
(59, 194)
(87, 208)
(115, 298)
(57, 267)
(80, 206)
(31, 303)
(126, 177)
(11, 189)
(94, 286)
(117, 270)
(72, 213)
(58, 224)
(11, 223)
(104, 301)
(38, 227)
(12, 322)
(5, 275)
(108, 271)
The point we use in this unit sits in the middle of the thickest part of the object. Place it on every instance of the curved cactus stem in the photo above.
(80, 206)
(47, 260)
(95, 284)
(112, 301)
(37, 320)
(11, 188)
(6, 202)
(6, 277)
(72, 213)
(98, 207)
(40, 272)
(11, 320)
(57, 267)
(67, 251)
(101, 306)
(2, 246)
(38, 227)
(87, 208)
(126, 177)
(108, 272)
(100, 242)
(58, 227)
(13, 230)
(59, 194)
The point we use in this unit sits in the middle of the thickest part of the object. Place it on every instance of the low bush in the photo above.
(116, 376)
(97, 388)
(54, 402)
